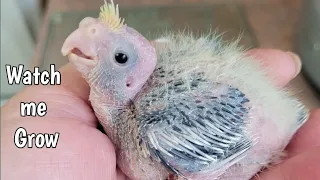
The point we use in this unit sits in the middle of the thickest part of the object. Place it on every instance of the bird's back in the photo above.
(199, 109)
(193, 124)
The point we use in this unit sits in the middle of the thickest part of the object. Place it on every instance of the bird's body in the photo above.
(195, 109)
(202, 111)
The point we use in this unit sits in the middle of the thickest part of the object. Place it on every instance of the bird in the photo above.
(197, 108)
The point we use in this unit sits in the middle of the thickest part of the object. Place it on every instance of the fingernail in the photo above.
(297, 61)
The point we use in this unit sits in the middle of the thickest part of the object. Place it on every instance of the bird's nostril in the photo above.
(129, 82)
(93, 30)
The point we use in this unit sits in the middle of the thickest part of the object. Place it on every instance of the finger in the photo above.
(307, 136)
(66, 101)
(82, 152)
(280, 66)
(304, 166)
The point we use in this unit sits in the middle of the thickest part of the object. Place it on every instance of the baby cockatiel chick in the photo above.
(193, 109)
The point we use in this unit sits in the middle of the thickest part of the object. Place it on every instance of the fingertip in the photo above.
(280, 66)
(297, 61)
(307, 136)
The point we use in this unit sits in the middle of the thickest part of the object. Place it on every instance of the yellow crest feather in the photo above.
(109, 14)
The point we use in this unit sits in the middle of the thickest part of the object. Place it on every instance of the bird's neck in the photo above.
(107, 109)
(108, 99)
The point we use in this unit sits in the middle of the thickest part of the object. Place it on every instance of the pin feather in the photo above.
(109, 14)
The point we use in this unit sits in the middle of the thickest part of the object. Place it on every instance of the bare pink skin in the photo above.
(92, 49)
(85, 153)
(96, 45)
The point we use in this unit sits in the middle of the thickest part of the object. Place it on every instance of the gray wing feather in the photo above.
(195, 132)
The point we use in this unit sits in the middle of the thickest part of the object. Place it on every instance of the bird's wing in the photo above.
(200, 132)
(302, 116)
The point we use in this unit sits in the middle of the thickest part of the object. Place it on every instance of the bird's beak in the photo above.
(78, 48)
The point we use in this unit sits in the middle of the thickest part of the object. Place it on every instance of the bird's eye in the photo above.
(121, 58)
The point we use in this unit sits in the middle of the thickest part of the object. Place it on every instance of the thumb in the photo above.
(69, 100)
(81, 152)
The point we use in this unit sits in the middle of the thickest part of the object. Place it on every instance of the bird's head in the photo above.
(114, 58)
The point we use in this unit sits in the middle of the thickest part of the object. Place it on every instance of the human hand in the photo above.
(83, 152)
(303, 152)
